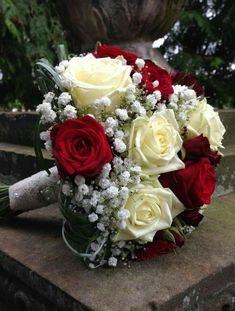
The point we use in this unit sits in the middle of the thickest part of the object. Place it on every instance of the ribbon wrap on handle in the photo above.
(35, 191)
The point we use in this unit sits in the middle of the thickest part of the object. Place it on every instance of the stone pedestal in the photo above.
(39, 273)
(132, 25)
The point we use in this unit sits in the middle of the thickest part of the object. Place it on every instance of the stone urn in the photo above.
(131, 24)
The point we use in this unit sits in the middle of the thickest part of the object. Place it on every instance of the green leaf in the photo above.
(78, 225)
(13, 30)
(178, 231)
(168, 236)
(62, 53)
(45, 71)
(37, 147)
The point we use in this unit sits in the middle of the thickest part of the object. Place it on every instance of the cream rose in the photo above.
(154, 143)
(94, 78)
(204, 120)
(151, 208)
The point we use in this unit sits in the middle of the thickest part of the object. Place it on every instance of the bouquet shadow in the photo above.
(38, 222)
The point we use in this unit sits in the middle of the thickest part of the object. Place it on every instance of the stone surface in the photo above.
(228, 117)
(225, 172)
(19, 161)
(17, 127)
(118, 21)
(201, 276)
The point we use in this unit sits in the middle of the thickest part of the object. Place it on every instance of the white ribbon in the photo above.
(35, 191)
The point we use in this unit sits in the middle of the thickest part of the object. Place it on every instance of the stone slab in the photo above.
(228, 118)
(19, 161)
(18, 127)
(31, 247)
(225, 173)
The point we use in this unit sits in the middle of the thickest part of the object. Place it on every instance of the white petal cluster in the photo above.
(182, 101)
(119, 145)
(111, 192)
(119, 134)
(123, 214)
(67, 189)
(124, 178)
(130, 98)
(79, 180)
(131, 89)
(48, 146)
(103, 102)
(136, 78)
(64, 98)
(111, 122)
(158, 95)
(45, 135)
(47, 114)
(92, 217)
(138, 108)
(155, 83)
(112, 262)
(151, 100)
(49, 97)
(61, 67)
(122, 114)
(105, 170)
(140, 63)
(70, 112)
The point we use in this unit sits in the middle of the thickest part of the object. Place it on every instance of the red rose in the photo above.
(80, 147)
(113, 52)
(182, 78)
(179, 239)
(194, 184)
(156, 248)
(159, 246)
(150, 72)
(199, 147)
(191, 218)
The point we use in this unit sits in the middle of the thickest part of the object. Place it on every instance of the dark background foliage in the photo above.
(29, 30)
(202, 42)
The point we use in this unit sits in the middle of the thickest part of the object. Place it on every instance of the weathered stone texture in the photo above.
(202, 268)
(118, 20)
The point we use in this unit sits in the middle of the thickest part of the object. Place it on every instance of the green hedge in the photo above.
(29, 30)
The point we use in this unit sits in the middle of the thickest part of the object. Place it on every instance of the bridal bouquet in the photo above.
(135, 151)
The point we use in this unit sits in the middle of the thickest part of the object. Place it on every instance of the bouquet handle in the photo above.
(38, 190)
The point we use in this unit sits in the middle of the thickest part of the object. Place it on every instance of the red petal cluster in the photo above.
(159, 246)
(80, 147)
(195, 184)
(191, 217)
(199, 147)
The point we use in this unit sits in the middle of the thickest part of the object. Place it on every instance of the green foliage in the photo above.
(202, 43)
(29, 30)
(78, 232)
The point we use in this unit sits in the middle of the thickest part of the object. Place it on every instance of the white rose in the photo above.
(154, 143)
(204, 120)
(151, 208)
(94, 78)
